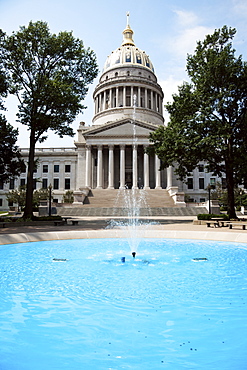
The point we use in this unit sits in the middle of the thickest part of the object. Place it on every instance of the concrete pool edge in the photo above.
(117, 233)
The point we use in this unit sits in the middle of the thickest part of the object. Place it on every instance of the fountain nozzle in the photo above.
(133, 254)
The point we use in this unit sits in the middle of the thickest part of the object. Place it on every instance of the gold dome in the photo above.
(128, 54)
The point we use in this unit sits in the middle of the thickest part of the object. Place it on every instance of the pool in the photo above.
(74, 305)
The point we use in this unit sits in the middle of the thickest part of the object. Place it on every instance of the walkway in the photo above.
(162, 227)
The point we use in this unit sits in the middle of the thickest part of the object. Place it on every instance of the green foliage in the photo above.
(68, 197)
(10, 158)
(209, 216)
(208, 117)
(50, 75)
(47, 218)
(18, 196)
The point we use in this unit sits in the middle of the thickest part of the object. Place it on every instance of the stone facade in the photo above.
(111, 153)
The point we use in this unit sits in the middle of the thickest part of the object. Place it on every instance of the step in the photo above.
(125, 212)
(117, 198)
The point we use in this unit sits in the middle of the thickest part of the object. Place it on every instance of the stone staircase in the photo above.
(118, 203)
(117, 198)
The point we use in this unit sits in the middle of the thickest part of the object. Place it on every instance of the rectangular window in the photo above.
(44, 183)
(67, 168)
(45, 168)
(1, 185)
(56, 184)
(201, 183)
(12, 184)
(10, 203)
(23, 182)
(212, 182)
(1, 202)
(201, 168)
(190, 183)
(56, 167)
(202, 200)
(67, 184)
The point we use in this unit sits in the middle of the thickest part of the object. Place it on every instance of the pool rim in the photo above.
(117, 233)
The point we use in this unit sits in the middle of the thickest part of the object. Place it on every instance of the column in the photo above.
(100, 102)
(99, 167)
(132, 97)
(111, 167)
(88, 174)
(104, 101)
(122, 166)
(117, 103)
(169, 177)
(157, 173)
(152, 100)
(146, 99)
(110, 105)
(124, 96)
(161, 108)
(146, 169)
(134, 166)
(139, 97)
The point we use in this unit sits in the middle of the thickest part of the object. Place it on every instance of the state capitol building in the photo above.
(111, 152)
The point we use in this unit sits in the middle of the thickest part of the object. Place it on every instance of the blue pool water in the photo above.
(161, 310)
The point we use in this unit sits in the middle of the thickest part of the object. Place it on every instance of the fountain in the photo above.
(160, 310)
(133, 201)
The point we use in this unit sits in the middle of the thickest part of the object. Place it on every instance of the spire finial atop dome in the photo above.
(128, 25)
(128, 33)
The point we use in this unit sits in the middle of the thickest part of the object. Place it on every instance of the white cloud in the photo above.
(185, 18)
(187, 31)
(185, 42)
(169, 87)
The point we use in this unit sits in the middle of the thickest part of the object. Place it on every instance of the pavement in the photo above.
(176, 227)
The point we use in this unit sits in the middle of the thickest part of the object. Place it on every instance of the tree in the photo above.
(208, 116)
(10, 157)
(18, 196)
(68, 197)
(11, 162)
(49, 74)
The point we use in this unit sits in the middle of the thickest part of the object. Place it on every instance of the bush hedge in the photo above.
(209, 216)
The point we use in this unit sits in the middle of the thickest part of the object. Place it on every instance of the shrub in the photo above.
(209, 216)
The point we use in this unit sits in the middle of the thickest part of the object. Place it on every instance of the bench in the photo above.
(59, 223)
(214, 223)
(2, 224)
(74, 222)
(231, 224)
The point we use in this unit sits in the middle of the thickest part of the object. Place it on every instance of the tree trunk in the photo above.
(230, 192)
(28, 211)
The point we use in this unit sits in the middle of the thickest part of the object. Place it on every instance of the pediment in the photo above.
(123, 128)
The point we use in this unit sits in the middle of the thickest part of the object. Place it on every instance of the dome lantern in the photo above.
(128, 54)
(127, 34)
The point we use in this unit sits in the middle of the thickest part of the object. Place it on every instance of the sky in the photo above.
(167, 30)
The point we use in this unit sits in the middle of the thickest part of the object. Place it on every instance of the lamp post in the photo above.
(50, 188)
(209, 198)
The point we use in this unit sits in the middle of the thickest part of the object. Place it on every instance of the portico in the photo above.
(119, 166)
